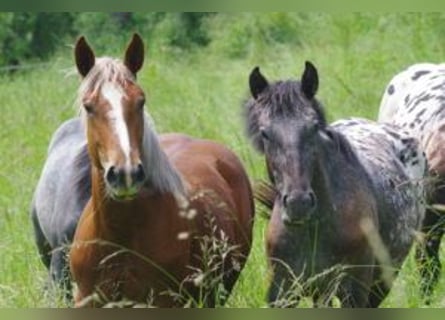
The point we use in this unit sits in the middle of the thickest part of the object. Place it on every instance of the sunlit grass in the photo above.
(200, 92)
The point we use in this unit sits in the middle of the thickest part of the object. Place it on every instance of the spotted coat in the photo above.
(415, 100)
(385, 146)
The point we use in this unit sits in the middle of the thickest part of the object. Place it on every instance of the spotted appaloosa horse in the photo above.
(156, 203)
(414, 99)
(346, 194)
(62, 192)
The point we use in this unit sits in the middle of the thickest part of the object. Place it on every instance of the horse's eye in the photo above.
(317, 126)
(264, 134)
(329, 134)
(88, 108)
(140, 103)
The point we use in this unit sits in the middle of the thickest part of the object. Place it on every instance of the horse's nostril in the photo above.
(300, 201)
(139, 174)
(112, 176)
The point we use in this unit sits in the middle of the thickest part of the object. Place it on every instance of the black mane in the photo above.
(285, 99)
(279, 99)
(342, 144)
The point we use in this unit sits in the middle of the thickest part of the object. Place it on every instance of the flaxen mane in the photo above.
(105, 70)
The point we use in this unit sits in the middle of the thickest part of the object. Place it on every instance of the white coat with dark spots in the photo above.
(401, 182)
(414, 100)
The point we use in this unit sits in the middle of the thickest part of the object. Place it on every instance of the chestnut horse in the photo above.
(346, 198)
(159, 204)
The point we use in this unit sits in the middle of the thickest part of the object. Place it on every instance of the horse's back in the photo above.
(62, 189)
(396, 166)
(209, 167)
(416, 102)
(404, 86)
(384, 144)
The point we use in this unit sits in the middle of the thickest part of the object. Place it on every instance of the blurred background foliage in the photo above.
(26, 36)
(35, 36)
(196, 78)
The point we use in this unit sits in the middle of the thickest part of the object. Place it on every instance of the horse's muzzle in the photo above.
(124, 184)
(298, 207)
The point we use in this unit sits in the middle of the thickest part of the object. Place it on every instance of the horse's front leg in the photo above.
(285, 291)
(355, 287)
(427, 253)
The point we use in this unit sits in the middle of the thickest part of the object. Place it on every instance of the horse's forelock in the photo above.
(285, 98)
(163, 176)
(280, 99)
(105, 70)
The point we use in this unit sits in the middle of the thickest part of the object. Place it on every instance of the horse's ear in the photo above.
(84, 56)
(309, 80)
(134, 55)
(257, 82)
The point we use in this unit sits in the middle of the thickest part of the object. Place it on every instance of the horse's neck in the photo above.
(118, 220)
(346, 181)
(321, 182)
(331, 168)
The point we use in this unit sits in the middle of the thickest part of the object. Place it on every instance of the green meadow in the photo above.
(199, 90)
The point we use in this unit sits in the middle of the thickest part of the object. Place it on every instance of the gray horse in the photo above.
(61, 194)
(346, 198)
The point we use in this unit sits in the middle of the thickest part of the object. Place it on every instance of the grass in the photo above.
(200, 92)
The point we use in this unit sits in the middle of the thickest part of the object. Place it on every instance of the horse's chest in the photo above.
(319, 246)
(135, 268)
(121, 279)
(135, 276)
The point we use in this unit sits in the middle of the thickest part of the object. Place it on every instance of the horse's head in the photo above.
(286, 122)
(113, 105)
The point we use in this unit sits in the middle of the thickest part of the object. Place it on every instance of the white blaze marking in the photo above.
(116, 117)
